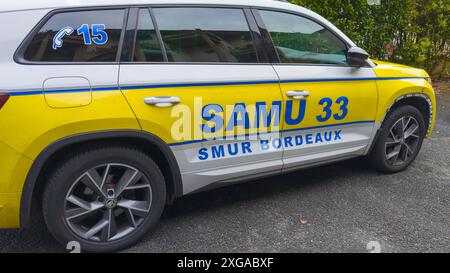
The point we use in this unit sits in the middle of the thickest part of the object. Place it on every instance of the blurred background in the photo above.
(410, 32)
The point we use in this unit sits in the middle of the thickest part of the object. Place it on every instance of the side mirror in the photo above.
(357, 56)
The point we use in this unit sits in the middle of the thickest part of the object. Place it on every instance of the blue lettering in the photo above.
(239, 117)
(299, 140)
(343, 101)
(319, 138)
(288, 142)
(218, 151)
(265, 145)
(289, 111)
(84, 30)
(236, 149)
(203, 154)
(272, 117)
(246, 147)
(327, 112)
(209, 114)
(277, 143)
(221, 151)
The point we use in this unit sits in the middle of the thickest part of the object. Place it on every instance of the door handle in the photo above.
(297, 94)
(162, 101)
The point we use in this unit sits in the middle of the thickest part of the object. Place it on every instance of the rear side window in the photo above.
(147, 47)
(300, 40)
(206, 35)
(81, 36)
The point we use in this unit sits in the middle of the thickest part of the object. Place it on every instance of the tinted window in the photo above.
(147, 47)
(300, 40)
(83, 36)
(206, 35)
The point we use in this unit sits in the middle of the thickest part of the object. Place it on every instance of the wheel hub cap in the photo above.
(111, 203)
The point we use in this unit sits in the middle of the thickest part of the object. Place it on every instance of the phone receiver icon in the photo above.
(58, 39)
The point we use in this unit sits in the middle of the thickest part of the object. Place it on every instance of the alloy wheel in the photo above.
(402, 141)
(108, 202)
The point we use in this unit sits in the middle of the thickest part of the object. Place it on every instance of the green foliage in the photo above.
(416, 30)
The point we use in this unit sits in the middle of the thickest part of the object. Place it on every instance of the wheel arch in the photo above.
(153, 146)
(419, 100)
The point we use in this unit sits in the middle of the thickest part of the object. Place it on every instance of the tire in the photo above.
(128, 205)
(384, 153)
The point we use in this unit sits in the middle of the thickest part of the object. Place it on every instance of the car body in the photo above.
(256, 104)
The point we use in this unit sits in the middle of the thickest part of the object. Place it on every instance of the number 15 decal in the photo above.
(98, 37)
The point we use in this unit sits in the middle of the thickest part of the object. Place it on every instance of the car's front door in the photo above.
(330, 107)
(201, 84)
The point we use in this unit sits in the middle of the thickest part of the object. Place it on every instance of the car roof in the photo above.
(17, 5)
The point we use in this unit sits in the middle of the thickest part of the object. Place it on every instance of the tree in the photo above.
(417, 30)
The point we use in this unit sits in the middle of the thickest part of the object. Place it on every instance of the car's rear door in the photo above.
(330, 107)
(193, 79)
(67, 70)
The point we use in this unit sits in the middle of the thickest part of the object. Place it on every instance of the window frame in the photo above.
(261, 54)
(274, 53)
(262, 40)
(128, 47)
(19, 55)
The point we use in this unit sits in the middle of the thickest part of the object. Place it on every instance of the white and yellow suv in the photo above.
(111, 109)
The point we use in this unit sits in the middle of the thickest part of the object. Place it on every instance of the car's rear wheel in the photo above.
(400, 140)
(106, 198)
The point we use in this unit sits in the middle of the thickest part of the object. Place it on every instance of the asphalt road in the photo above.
(337, 208)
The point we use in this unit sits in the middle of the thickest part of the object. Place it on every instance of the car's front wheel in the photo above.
(400, 140)
(105, 199)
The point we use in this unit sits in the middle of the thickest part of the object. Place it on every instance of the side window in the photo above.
(300, 40)
(81, 36)
(147, 47)
(206, 35)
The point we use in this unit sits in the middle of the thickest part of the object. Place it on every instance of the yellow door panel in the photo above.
(334, 115)
(166, 121)
(331, 103)
(211, 124)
